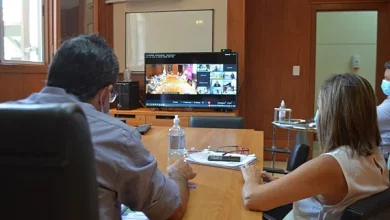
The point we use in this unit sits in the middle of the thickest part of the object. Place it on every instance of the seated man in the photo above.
(216, 84)
(84, 71)
(384, 114)
(150, 87)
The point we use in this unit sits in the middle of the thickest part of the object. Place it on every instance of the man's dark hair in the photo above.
(83, 65)
(387, 65)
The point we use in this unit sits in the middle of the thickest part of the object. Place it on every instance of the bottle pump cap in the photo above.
(176, 120)
(282, 104)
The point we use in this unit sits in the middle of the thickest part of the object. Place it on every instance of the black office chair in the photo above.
(233, 122)
(373, 207)
(299, 155)
(47, 163)
(376, 207)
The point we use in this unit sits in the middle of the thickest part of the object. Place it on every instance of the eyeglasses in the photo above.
(233, 149)
(113, 96)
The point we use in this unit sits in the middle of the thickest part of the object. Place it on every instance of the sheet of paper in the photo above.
(128, 214)
(202, 158)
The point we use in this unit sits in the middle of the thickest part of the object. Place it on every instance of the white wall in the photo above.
(162, 32)
(340, 35)
(220, 19)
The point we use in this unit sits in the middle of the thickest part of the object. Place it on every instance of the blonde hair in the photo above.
(347, 115)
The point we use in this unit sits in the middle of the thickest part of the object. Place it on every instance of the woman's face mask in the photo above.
(386, 87)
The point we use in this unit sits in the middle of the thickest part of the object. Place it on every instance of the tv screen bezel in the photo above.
(197, 107)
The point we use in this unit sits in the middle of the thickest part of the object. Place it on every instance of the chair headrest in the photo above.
(39, 135)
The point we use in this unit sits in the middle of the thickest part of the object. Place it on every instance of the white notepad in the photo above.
(127, 214)
(201, 158)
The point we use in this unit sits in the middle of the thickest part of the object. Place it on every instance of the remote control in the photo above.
(142, 129)
(224, 158)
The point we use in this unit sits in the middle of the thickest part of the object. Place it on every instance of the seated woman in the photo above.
(351, 166)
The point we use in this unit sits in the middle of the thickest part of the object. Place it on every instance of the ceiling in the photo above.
(68, 4)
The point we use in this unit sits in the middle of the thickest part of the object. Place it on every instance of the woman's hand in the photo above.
(252, 174)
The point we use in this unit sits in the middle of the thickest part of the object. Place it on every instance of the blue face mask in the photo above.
(111, 98)
(385, 87)
(102, 109)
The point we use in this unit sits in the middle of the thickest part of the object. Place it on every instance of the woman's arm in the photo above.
(318, 176)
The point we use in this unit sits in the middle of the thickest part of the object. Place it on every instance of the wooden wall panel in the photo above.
(10, 87)
(277, 37)
(14, 86)
(175, 68)
(81, 14)
(64, 26)
(33, 82)
(105, 20)
(236, 26)
(383, 52)
(346, 1)
(159, 69)
(149, 70)
(72, 22)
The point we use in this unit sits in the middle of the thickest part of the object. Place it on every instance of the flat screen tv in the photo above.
(191, 80)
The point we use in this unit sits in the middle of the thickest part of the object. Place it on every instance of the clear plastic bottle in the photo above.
(282, 114)
(176, 139)
(316, 118)
(127, 74)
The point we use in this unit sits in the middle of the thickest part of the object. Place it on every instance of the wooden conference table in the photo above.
(218, 191)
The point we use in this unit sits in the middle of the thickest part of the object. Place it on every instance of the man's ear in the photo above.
(103, 94)
(110, 88)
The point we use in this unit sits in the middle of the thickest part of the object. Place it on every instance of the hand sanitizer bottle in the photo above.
(127, 74)
(164, 71)
(282, 114)
(176, 139)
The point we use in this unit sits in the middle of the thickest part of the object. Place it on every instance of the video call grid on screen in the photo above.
(191, 74)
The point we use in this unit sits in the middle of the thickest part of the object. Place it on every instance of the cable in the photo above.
(142, 104)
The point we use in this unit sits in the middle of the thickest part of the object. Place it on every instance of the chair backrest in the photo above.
(47, 163)
(298, 156)
(373, 207)
(233, 122)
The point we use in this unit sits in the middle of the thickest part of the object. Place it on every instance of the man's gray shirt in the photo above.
(127, 173)
(383, 111)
